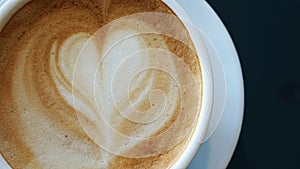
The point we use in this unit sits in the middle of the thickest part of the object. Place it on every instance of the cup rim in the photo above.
(9, 8)
(199, 133)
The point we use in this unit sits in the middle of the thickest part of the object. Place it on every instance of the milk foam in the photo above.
(127, 95)
(107, 85)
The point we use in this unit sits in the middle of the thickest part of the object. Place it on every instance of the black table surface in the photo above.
(267, 37)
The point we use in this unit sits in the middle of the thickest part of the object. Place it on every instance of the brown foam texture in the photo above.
(37, 125)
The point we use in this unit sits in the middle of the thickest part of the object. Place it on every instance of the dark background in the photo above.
(267, 37)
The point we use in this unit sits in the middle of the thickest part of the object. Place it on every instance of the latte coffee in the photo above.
(97, 84)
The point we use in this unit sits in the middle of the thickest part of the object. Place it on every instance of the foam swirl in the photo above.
(132, 87)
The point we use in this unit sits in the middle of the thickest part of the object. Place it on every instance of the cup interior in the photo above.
(208, 86)
(8, 9)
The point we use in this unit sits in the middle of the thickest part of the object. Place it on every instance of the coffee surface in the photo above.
(97, 84)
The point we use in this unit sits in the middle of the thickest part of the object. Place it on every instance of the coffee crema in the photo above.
(97, 84)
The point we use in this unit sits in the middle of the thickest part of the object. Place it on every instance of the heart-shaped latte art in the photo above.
(89, 85)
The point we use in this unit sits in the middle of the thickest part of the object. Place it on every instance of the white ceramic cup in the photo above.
(9, 7)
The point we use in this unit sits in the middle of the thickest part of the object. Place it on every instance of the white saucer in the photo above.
(217, 151)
